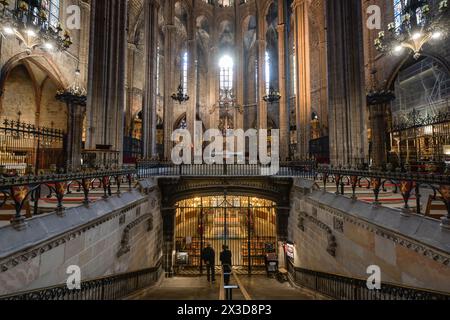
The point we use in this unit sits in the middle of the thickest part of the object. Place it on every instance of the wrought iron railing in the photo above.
(405, 183)
(345, 288)
(108, 288)
(24, 146)
(23, 189)
(303, 169)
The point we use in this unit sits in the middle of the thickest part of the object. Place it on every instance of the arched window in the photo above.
(226, 72)
(51, 9)
(54, 13)
(184, 72)
(399, 7)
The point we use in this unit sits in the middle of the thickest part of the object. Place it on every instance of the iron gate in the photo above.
(247, 225)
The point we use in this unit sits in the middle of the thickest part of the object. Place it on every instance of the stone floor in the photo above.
(198, 288)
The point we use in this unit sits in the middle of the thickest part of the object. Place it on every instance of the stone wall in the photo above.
(121, 234)
(336, 235)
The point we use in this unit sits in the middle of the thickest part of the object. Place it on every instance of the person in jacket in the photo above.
(209, 257)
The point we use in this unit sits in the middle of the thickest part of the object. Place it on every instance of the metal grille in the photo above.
(23, 145)
(246, 225)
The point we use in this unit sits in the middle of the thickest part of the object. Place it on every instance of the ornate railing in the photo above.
(345, 288)
(303, 169)
(108, 288)
(24, 146)
(405, 183)
(20, 190)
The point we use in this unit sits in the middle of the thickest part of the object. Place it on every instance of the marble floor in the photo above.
(197, 288)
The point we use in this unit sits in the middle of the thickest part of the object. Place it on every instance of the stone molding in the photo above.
(26, 255)
(125, 243)
(332, 244)
(427, 251)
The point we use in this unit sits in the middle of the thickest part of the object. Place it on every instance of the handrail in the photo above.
(346, 288)
(22, 189)
(105, 288)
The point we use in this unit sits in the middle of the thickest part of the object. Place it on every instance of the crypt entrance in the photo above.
(250, 216)
(247, 225)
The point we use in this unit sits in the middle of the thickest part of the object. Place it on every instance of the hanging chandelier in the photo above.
(421, 22)
(31, 25)
(75, 94)
(273, 96)
(180, 96)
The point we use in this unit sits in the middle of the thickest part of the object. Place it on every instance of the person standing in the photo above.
(209, 257)
(225, 259)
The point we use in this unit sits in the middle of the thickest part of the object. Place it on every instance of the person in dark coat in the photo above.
(225, 259)
(209, 257)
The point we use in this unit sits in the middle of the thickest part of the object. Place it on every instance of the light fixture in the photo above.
(8, 30)
(30, 33)
(416, 36)
(31, 25)
(398, 48)
(180, 96)
(421, 21)
(48, 46)
(76, 94)
(272, 96)
(437, 35)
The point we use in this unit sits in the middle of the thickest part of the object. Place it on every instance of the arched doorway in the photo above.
(247, 225)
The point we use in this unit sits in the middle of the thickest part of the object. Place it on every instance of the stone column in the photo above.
(284, 110)
(169, 87)
(347, 105)
(379, 127)
(282, 223)
(107, 68)
(262, 105)
(76, 111)
(84, 41)
(239, 81)
(213, 83)
(149, 116)
(169, 240)
(302, 56)
(191, 112)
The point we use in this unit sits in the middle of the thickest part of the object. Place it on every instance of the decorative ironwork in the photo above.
(416, 120)
(180, 96)
(405, 181)
(379, 97)
(114, 287)
(21, 189)
(31, 25)
(273, 96)
(76, 94)
(345, 288)
(25, 147)
(421, 21)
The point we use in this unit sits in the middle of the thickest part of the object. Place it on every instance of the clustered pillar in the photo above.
(284, 113)
(302, 55)
(149, 116)
(347, 107)
(107, 65)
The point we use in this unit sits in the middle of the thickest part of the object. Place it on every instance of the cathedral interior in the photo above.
(343, 192)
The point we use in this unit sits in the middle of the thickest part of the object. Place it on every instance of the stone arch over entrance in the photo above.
(273, 219)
